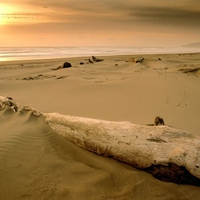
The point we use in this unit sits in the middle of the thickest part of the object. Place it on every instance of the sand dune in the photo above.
(37, 163)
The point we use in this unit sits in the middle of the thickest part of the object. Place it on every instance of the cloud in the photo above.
(127, 11)
(179, 12)
(19, 15)
(106, 18)
(164, 16)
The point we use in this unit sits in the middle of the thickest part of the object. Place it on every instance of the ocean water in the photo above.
(26, 53)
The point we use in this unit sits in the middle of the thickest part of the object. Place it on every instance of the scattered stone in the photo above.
(10, 98)
(28, 78)
(7, 102)
(39, 75)
(139, 60)
(61, 77)
(36, 113)
(66, 65)
(158, 121)
(90, 61)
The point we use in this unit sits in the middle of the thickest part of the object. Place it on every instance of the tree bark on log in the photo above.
(167, 153)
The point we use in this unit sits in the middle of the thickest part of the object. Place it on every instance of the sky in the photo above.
(146, 23)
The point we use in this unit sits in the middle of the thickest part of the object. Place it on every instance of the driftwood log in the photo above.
(8, 103)
(167, 153)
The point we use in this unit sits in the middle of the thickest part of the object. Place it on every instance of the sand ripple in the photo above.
(37, 163)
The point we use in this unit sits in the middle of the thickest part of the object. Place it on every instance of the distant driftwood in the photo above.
(167, 153)
(64, 65)
(188, 70)
(136, 60)
(96, 59)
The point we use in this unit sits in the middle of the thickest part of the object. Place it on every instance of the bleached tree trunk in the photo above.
(156, 149)
(167, 153)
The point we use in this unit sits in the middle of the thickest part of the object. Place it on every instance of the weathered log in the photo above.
(171, 153)
(167, 153)
(8, 103)
(189, 70)
(96, 59)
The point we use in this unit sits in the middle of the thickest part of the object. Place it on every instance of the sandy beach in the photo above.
(37, 163)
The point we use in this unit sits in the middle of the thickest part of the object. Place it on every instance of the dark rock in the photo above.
(66, 65)
(90, 61)
(159, 121)
(139, 60)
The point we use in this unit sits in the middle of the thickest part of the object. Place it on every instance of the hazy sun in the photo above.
(5, 12)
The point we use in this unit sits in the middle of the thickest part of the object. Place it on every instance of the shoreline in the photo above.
(34, 53)
(99, 55)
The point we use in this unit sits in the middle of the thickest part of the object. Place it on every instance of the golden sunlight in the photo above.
(5, 12)
(22, 14)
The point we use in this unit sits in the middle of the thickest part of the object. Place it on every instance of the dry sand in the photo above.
(37, 163)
